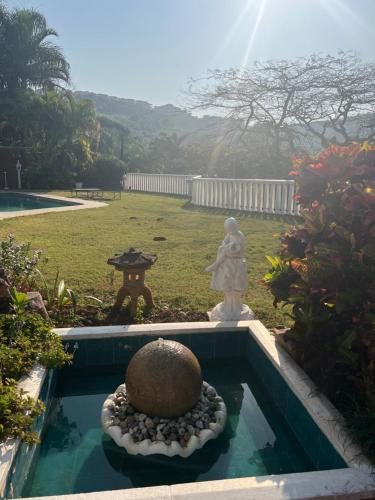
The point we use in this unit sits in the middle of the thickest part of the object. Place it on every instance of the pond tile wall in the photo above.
(23, 460)
(220, 345)
(315, 443)
(119, 351)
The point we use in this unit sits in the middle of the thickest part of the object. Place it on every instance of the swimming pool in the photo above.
(16, 202)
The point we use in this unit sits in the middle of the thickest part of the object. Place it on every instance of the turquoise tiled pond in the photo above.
(267, 432)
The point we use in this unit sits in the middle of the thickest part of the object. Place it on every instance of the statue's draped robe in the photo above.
(231, 273)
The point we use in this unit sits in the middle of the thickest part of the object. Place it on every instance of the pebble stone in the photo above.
(142, 427)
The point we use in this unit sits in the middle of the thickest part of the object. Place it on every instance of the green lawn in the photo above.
(79, 243)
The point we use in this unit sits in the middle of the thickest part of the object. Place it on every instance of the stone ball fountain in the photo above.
(164, 379)
(163, 407)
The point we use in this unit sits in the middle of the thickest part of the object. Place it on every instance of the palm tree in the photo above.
(27, 57)
(62, 134)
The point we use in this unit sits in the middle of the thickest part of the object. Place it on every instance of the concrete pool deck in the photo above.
(77, 204)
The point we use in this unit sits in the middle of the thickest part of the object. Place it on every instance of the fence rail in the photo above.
(159, 183)
(250, 195)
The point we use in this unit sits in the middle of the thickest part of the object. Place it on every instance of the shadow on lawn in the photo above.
(290, 219)
(157, 195)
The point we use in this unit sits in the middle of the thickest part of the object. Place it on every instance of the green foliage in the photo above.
(19, 262)
(54, 135)
(19, 300)
(167, 139)
(326, 272)
(27, 57)
(62, 302)
(146, 121)
(17, 413)
(105, 173)
(66, 297)
(60, 141)
(25, 339)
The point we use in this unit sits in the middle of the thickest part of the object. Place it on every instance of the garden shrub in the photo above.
(19, 262)
(17, 413)
(105, 173)
(325, 271)
(25, 339)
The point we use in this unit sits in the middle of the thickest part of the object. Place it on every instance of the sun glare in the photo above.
(258, 20)
(233, 31)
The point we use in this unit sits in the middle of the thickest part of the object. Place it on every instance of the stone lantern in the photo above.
(133, 265)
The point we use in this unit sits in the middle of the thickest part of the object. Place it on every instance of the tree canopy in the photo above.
(264, 114)
(56, 136)
(298, 105)
(28, 58)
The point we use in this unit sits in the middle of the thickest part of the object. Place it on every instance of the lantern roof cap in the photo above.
(132, 258)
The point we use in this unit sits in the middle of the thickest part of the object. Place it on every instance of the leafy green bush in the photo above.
(17, 413)
(25, 339)
(326, 272)
(64, 304)
(28, 339)
(19, 262)
(105, 173)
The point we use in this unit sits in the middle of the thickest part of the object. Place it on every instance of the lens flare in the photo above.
(258, 20)
(233, 31)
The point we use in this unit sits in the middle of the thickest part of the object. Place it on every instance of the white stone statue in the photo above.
(229, 275)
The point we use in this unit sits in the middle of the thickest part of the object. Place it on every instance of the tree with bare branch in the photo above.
(300, 105)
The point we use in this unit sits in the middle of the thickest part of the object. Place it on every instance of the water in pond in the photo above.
(14, 202)
(76, 456)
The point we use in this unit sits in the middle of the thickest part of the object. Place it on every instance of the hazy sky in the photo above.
(147, 49)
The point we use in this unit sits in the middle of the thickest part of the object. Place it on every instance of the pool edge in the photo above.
(81, 204)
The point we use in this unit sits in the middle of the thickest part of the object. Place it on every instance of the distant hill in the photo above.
(146, 121)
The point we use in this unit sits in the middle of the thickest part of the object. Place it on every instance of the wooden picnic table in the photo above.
(95, 192)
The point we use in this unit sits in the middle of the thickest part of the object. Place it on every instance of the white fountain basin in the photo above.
(148, 447)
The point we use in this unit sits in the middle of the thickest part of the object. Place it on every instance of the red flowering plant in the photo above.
(325, 272)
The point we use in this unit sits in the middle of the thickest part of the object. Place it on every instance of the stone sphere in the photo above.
(164, 379)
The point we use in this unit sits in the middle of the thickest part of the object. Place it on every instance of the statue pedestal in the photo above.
(231, 309)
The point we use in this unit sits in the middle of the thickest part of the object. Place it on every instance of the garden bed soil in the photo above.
(162, 313)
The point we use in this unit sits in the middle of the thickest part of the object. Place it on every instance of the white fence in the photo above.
(159, 183)
(250, 195)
